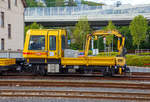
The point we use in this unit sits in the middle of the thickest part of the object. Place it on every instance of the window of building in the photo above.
(9, 31)
(15, 2)
(2, 19)
(2, 44)
(9, 4)
(52, 42)
(37, 42)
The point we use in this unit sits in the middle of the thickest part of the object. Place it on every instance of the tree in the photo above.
(50, 3)
(148, 38)
(71, 3)
(60, 3)
(31, 3)
(146, 43)
(109, 38)
(124, 30)
(39, 4)
(91, 3)
(32, 26)
(138, 28)
(82, 28)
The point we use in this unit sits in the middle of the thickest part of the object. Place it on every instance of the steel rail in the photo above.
(75, 94)
(53, 83)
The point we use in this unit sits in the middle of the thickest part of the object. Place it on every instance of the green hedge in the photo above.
(135, 60)
(108, 54)
(132, 60)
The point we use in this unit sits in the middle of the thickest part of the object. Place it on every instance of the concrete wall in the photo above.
(15, 17)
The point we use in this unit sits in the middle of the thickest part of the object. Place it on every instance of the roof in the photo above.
(24, 3)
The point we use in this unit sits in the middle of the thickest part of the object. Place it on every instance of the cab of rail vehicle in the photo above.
(44, 44)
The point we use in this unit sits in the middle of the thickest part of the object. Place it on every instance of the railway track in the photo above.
(137, 76)
(76, 94)
(77, 81)
(78, 84)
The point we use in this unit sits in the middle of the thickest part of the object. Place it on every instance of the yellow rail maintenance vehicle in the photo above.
(11, 61)
(44, 52)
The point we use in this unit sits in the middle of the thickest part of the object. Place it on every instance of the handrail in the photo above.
(142, 51)
(11, 54)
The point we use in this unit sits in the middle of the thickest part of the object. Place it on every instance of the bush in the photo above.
(108, 54)
(134, 60)
(74, 46)
(90, 52)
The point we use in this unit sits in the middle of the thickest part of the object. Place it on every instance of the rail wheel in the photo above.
(34, 69)
(127, 71)
(1, 73)
(39, 70)
(112, 71)
(42, 70)
(108, 71)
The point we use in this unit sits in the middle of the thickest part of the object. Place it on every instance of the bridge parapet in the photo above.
(86, 10)
(93, 13)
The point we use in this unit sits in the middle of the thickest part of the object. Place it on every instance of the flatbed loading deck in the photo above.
(90, 60)
(7, 61)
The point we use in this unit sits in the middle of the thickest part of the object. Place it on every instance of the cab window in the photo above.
(63, 42)
(52, 42)
(37, 42)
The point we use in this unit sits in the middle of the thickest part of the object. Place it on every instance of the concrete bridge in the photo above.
(97, 15)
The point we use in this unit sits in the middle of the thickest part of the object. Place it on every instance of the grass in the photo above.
(144, 54)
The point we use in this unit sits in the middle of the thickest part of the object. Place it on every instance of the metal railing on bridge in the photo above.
(85, 10)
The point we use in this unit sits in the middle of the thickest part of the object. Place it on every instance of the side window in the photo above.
(15, 2)
(52, 42)
(9, 4)
(9, 31)
(2, 19)
(2, 44)
(37, 42)
(63, 42)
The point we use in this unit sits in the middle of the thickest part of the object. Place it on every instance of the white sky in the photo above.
(133, 2)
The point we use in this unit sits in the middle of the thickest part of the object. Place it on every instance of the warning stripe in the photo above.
(34, 53)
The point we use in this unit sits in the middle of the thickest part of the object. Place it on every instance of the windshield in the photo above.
(37, 42)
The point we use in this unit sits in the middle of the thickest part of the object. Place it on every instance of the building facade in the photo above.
(12, 24)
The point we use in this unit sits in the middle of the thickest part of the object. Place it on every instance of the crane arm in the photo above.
(105, 33)
(88, 38)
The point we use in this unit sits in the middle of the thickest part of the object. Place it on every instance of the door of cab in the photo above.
(35, 45)
(53, 44)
